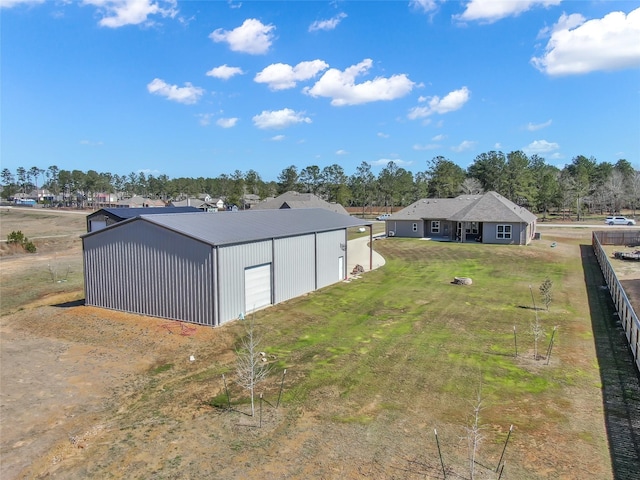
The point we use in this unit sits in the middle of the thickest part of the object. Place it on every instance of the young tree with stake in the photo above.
(474, 434)
(536, 328)
(251, 367)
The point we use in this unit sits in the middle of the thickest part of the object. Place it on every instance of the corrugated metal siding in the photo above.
(232, 262)
(328, 251)
(295, 268)
(149, 270)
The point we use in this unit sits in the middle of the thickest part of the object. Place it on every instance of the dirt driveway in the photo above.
(64, 371)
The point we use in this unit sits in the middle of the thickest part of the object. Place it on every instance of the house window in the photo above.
(415, 227)
(504, 232)
(435, 226)
(472, 227)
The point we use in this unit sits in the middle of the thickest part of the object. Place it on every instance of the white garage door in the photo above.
(257, 287)
(97, 225)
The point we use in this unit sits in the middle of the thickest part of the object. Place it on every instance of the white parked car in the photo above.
(384, 216)
(619, 221)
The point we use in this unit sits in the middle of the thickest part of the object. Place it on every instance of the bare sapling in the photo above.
(474, 433)
(55, 276)
(545, 292)
(536, 328)
(251, 367)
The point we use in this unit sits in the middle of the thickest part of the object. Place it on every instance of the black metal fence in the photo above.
(628, 318)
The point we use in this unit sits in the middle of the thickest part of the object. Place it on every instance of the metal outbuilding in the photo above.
(108, 216)
(209, 268)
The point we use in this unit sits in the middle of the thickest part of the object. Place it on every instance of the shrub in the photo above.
(18, 238)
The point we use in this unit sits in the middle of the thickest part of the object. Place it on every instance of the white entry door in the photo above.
(340, 268)
(257, 287)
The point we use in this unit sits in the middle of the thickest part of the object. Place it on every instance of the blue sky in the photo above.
(203, 88)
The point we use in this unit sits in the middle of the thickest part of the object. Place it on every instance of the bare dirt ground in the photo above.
(627, 271)
(72, 379)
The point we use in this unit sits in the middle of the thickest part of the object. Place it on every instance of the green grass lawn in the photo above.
(374, 365)
(404, 338)
(410, 314)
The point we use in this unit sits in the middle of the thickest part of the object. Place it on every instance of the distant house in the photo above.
(108, 216)
(41, 195)
(299, 200)
(249, 200)
(487, 218)
(212, 268)
(208, 204)
(139, 202)
(105, 199)
(24, 200)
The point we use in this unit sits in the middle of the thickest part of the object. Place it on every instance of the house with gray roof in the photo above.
(487, 218)
(208, 205)
(299, 200)
(139, 202)
(210, 268)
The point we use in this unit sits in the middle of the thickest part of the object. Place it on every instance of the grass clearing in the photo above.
(373, 366)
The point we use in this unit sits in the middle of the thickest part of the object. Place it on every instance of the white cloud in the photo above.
(532, 127)
(464, 146)
(251, 37)
(118, 13)
(278, 138)
(424, 5)
(383, 162)
(577, 46)
(493, 10)
(91, 143)
(13, 3)
(540, 147)
(204, 118)
(149, 171)
(327, 24)
(187, 94)
(227, 122)
(340, 86)
(382, 135)
(439, 138)
(452, 101)
(279, 118)
(428, 146)
(280, 76)
(224, 72)
(342, 152)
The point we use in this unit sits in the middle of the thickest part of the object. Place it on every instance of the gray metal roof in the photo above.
(489, 207)
(124, 212)
(226, 228)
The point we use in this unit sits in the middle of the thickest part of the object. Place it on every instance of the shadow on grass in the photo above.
(529, 307)
(75, 303)
(619, 376)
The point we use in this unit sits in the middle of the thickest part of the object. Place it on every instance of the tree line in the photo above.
(583, 185)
